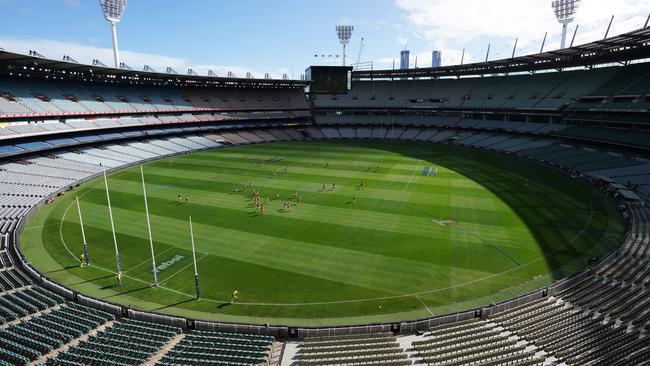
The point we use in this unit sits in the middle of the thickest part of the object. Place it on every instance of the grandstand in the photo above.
(60, 132)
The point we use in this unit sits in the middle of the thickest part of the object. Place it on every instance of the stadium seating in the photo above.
(56, 133)
(604, 105)
(41, 322)
(623, 137)
(601, 320)
(127, 342)
(219, 348)
(605, 314)
(32, 97)
(375, 349)
(474, 341)
(540, 91)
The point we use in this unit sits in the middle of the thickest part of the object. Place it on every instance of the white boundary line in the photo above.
(416, 294)
(412, 175)
(423, 304)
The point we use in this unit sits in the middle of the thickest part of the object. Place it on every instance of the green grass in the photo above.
(515, 226)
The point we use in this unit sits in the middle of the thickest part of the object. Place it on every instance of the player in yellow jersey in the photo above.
(234, 297)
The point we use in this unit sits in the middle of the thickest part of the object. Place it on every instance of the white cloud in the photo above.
(442, 23)
(402, 41)
(86, 53)
(386, 63)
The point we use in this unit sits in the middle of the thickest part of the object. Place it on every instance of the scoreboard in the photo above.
(329, 79)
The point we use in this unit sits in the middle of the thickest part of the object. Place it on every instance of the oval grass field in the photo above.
(435, 229)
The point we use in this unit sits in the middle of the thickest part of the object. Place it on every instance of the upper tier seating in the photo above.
(34, 97)
(624, 137)
(543, 91)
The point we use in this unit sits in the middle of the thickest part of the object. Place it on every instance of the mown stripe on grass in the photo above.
(546, 206)
(227, 183)
(288, 225)
(394, 219)
(234, 171)
(371, 201)
(262, 250)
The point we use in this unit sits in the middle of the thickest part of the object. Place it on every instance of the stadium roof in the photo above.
(623, 48)
(35, 66)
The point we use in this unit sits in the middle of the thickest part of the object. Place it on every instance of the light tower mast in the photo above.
(113, 11)
(565, 11)
(344, 32)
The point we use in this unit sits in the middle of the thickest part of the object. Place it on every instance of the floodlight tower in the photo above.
(113, 11)
(344, 32)
(565, 11)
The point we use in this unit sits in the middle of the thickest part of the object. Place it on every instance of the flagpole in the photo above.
(83, 233)
(110, 213)
(196, 272)
(146, 208)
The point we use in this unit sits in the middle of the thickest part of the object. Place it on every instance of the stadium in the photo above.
(484, 213)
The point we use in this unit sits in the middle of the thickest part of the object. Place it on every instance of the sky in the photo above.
(282, 36)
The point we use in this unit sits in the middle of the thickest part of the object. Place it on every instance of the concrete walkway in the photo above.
(163, 351)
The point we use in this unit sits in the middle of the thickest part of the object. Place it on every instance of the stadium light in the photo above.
(344, 32)
(565, 11)
(113, 11)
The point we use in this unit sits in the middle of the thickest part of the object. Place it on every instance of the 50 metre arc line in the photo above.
(439, 222)
(491, 244)
(482, 240)
(466, 231)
